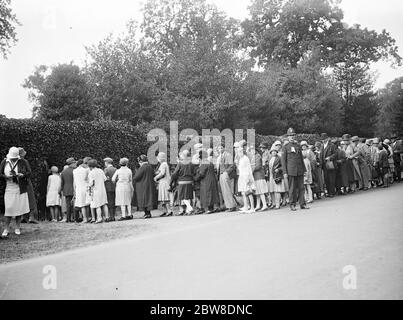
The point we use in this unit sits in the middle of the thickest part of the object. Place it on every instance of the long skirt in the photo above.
(261, 187)
(277, 187)
(185, 191)
(124, 194)
(163, 193)
(16, 203)
(227, 190)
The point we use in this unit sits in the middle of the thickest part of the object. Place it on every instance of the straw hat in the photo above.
(162, 156)
(108, 160)
(13, 153)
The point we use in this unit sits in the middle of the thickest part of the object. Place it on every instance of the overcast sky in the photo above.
(55, 31)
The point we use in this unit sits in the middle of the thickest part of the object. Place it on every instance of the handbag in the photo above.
(330, 165)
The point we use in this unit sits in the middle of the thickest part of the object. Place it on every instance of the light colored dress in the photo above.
(16, 204)
(308, 172)
(54, 187)
(163, 183)
(124, 186)
(97, 180)
(273, 186)
(245, 180)
(80, 175)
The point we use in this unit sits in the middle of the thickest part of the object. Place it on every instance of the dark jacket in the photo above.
(23, 168)
(67, 182)
(208, 186)
(145, 187)
(292, 160)
(329, 152)
(277, 165)
(258, 170)
(110, 186)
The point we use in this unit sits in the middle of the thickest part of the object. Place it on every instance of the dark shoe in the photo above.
(163, 215)
(129, 217)
(293, 207)
(181, 213)
(24, 221)
(121, 219)
(170, 214)
(148, 216)
(33, 222)
(304, 208)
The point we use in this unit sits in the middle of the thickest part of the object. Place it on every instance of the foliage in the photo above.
(63, 139)
(302, 98)
(390, 117)
(8, 23)
(59, 93)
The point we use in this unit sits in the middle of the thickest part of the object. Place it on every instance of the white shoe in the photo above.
(5, 233)
(251, 211)
(17, 232)
(244, 209)
(264, 209)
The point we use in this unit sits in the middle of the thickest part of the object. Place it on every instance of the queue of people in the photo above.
(206, 181)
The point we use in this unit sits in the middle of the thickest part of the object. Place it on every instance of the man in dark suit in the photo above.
(329, 164)
(294, 169)
(68, 187)
(397, 147)
(110, 187)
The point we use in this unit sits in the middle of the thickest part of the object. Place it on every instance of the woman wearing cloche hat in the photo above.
(15, 171)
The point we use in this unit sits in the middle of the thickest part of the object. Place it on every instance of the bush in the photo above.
(60, 140)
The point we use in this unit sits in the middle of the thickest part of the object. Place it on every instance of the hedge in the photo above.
(63, 139)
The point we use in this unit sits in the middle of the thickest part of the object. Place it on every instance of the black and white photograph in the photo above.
(179, 151)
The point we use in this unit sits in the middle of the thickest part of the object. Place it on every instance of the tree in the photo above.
(390, 104)
(287, 31)
(302, 98)
(59, 93)
(8, 23)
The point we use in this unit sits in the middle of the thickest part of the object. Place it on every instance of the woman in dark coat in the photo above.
(341, 175)
(208, 184)
(184, 177)
(317, 175)
(145, 186)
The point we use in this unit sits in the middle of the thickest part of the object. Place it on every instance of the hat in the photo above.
(162, 156)
(108, 160)
(93, 163)
(70, 161)
(318, 144)
(355, 138)
(198, 146)
(22, 152)
(304, 143)
(323, 136)
(346, 137)
(13, 153)
(86, 159)
(236, 145)
(394, 136)
(273, 149)
(242, 143)
(290, 132)
(264, 145)
(123, 161)
(277, 143)
(375, 141)
(185, 154)
(142, 158)
(369, 141)
(54, 169)
(386, 141)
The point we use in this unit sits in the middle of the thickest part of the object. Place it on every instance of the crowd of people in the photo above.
(204, 180)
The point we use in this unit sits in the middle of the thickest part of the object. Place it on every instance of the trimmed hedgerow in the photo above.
(59, 140)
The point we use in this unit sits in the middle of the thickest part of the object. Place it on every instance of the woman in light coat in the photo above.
(123, 178)
(99, 200)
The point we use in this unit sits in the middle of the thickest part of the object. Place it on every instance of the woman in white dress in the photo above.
(163, 178)
(81, 199)
(99, 200)
(123, 178)
(53, 200)
(246, 183)
(15, 171)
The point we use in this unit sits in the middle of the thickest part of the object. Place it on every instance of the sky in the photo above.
(57, 31)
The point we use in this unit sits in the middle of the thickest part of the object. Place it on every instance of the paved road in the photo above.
(236, 256)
